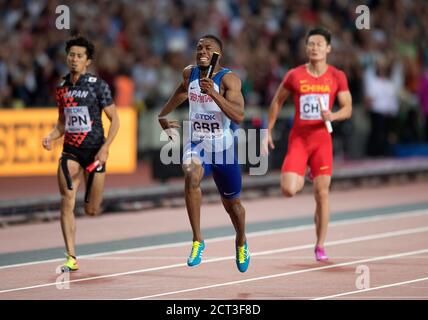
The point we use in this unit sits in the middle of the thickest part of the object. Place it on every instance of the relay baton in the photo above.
(213, 62)
(92, 166)
(325, 108)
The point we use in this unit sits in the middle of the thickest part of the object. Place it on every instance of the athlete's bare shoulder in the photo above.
(187, 71)
(186, 75)
(231, 79)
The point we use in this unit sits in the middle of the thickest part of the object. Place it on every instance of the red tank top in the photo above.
(306, 90)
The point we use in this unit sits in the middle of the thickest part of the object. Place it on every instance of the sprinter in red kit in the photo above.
(312, 85)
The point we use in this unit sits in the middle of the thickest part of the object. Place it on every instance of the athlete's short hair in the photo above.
(319, 31)
(216, 39)
(81, 42)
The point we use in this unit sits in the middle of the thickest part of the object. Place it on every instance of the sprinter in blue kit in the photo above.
(216, 106)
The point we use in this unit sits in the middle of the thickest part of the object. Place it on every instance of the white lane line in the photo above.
(379, 217)
(276, 257)
(371, 289)
(288, 249)
(399, 255)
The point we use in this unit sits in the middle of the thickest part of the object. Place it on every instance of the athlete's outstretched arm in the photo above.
(177, 98)
(56, 133)
(278, 100)
(112, 115)
(345, 103)
(232, 103)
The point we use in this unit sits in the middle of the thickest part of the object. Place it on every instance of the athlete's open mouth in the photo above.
(203, 59)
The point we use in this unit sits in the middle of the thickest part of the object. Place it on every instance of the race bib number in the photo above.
(77, 119)
(310, 108)
(206, 125)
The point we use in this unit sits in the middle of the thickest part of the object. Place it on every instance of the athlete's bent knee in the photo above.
(191, 177)
(288, 192)
(235, 209)
(68, 197)
(321, 194)
(92, 211)
(191, 180)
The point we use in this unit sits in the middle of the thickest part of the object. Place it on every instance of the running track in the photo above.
(142, 255)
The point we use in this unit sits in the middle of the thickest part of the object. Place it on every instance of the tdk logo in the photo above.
(201, 116)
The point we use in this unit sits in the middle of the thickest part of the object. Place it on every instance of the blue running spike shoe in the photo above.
(242, 257)
(195, 256)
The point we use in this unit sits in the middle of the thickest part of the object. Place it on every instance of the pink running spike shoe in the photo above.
(320, 254)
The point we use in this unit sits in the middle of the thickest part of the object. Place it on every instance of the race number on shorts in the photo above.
(77, 119)
(310, 108)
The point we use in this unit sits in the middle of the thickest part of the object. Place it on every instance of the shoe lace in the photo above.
(195, 249)
(242, 254)
(70, 261)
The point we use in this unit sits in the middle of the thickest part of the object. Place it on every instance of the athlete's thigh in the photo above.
(297, 156)
(228, 180)
(97, 189)
(322, 183)
(75, 173)
(292, 181)
(321, 160)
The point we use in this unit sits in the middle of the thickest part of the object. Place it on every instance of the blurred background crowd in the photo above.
(142, 47)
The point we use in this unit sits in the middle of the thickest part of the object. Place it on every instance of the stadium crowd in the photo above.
(142, 47)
